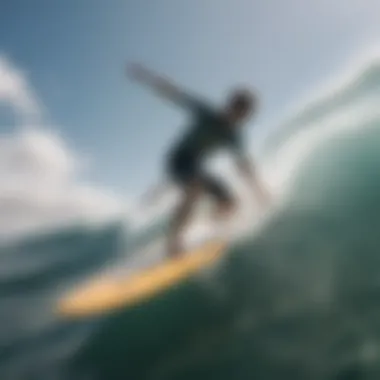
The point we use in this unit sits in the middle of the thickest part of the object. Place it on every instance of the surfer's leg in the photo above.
(184, 170)
(181, 216)
(226, 204)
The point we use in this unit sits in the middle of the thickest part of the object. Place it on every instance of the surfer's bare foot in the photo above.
(175, 249)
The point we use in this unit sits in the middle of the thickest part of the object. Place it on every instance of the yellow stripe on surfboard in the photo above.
(108, 293)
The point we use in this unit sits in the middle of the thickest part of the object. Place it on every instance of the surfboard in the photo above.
(107, 293)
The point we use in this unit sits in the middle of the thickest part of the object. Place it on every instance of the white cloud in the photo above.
(15, 91)
(39, 175)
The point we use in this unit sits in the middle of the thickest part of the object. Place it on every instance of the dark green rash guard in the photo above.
(208, 131)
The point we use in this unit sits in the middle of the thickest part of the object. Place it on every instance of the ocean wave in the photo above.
(295, 297)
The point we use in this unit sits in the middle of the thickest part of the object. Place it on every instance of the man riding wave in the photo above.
(210, 129)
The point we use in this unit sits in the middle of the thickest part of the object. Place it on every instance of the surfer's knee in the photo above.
(192, 191)
(227, 207)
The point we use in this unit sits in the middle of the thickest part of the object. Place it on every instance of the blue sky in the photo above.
(74, 52)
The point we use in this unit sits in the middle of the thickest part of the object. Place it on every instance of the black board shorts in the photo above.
(183, 167)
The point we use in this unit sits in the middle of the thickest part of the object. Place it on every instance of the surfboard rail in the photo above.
(106, 293)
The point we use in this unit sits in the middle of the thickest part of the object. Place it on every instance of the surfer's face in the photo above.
(239, 112)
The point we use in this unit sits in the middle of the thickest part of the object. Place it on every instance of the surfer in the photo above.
(210, 129)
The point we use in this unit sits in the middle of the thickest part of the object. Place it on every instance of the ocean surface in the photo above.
(296, 297)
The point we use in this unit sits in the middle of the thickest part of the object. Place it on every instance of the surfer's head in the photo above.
(240, 104)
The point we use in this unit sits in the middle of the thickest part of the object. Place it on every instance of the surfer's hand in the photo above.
(137, 71)
(159, 83)
(262, 194)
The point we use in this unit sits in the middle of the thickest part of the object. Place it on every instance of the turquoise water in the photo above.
(300, 299)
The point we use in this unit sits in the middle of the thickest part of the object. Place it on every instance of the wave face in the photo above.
(296, 299)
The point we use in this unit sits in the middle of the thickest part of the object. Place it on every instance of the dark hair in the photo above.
(242, 98)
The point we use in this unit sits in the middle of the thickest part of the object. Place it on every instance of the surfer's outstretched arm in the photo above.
(162, 86)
